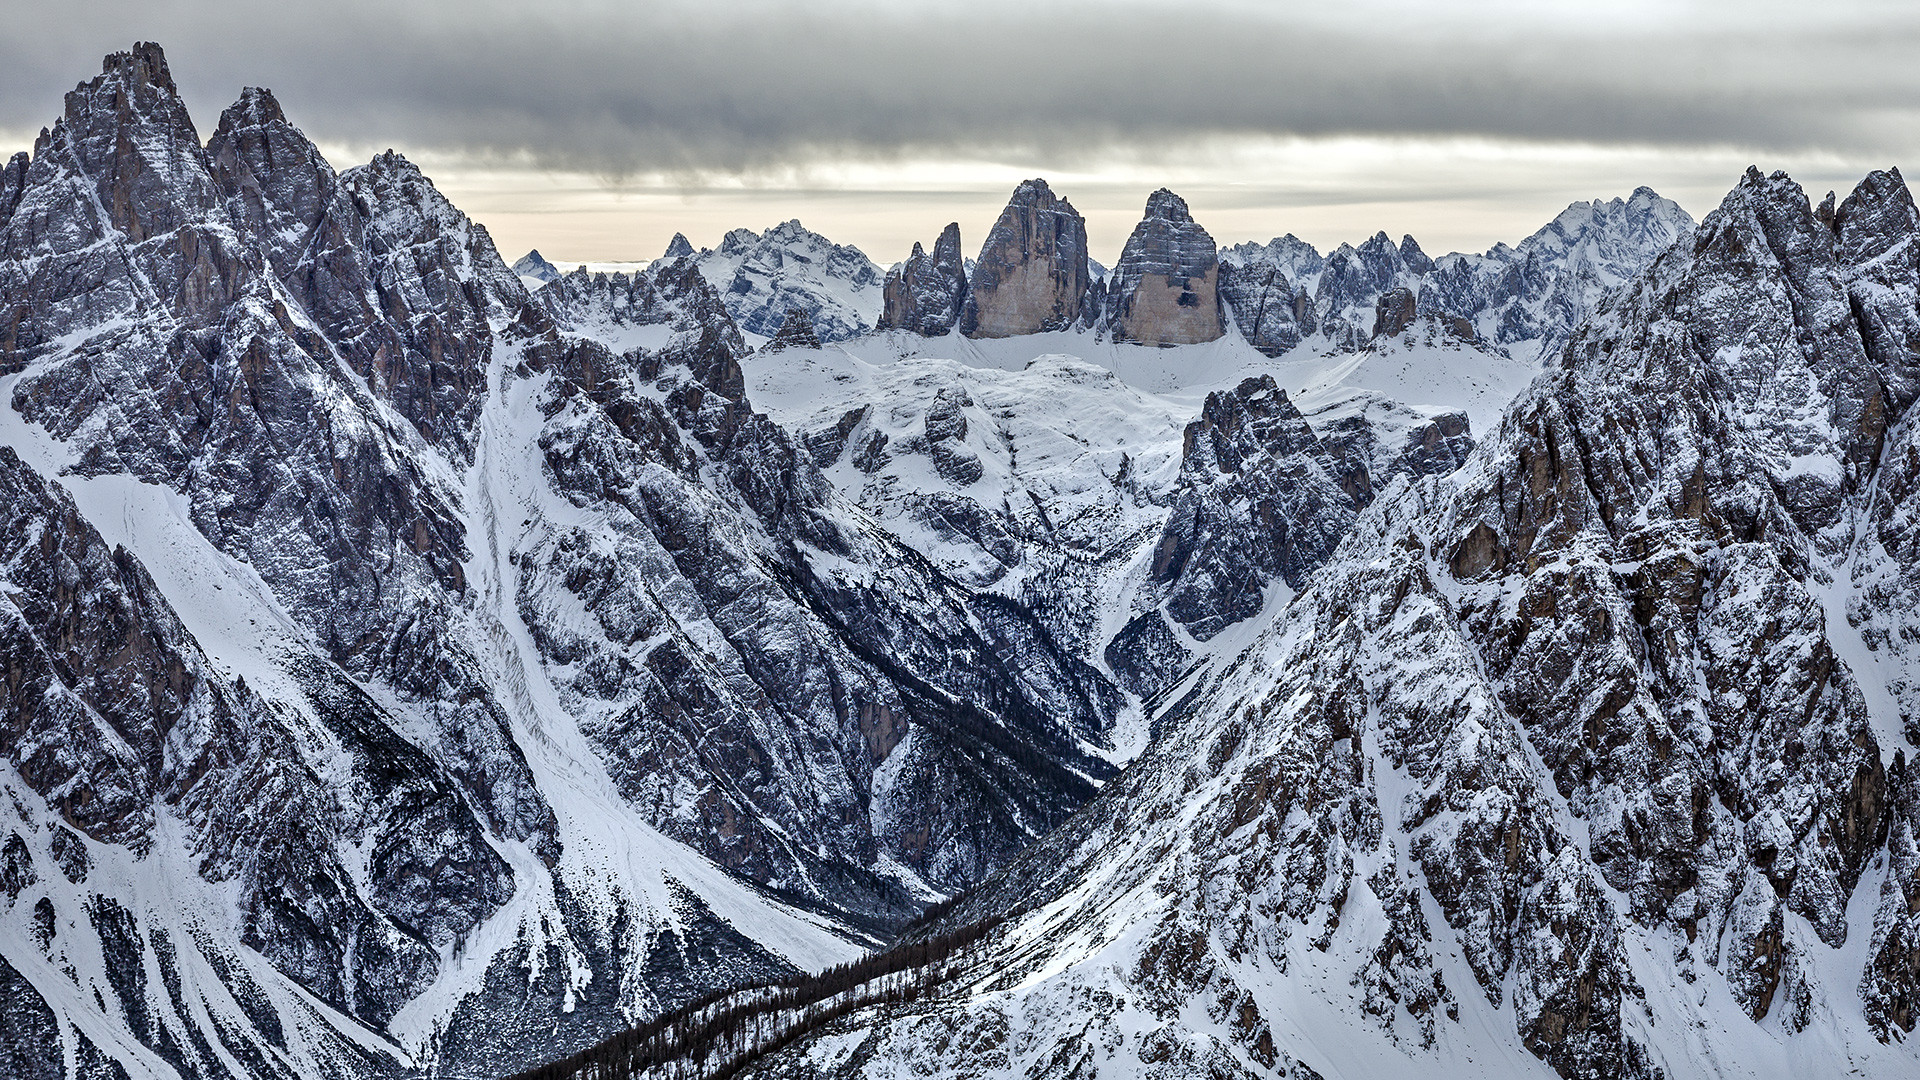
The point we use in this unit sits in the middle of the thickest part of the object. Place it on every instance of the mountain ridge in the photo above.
(1524, 783)
(420, 672)
(523, 797)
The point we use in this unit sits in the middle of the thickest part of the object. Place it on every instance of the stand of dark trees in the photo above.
(721, 1034)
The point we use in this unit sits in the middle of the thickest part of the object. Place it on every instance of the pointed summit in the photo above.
(256, 107)
(1165, 288)
(925, 294)
(129, 132)
(533, 265)
(1032, 271)
(1417, 260)
(273, 178)
(1165, 205)
(678, 247)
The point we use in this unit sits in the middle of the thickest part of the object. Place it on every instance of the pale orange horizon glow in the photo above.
(1450, 195)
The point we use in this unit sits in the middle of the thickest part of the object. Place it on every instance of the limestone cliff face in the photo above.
(927, 293)
(1032, 272)
(1165, 289)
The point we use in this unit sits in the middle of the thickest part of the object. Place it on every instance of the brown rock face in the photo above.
(1032, 272)
(1393, 312)
(1166, 285)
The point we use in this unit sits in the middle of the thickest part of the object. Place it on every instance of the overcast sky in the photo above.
(596, 129)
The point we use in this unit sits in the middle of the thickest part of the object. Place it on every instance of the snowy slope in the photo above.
(1561, 766)
(400, 681)
(1049, 467)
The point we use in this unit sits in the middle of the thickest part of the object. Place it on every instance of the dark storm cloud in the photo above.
(616, 88)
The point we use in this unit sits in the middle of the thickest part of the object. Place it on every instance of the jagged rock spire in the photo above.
(1259, 499)
(926, 293)
(274, 179)
(129, 132)
(13, 180)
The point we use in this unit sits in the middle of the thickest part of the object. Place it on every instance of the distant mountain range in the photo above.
(1522, 300)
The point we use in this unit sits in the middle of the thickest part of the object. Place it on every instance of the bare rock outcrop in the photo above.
(1032, 272)
(796, 332)
(1271, 311)
(926, 293)
(1259, 498)
(1165, 289)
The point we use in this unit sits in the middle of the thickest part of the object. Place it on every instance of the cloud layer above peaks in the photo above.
(619, 89)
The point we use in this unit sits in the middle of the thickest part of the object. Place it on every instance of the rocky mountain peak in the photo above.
(1165, 205)
(946, 250)
(143, 67)
(1522, 299)
(1032, 273)
(796, 332)
(274, 179)
(738, 241)
(790, 233)
(534, 265)
(1259, 499)
(255, 107)
(1165, 288)
(926, 294)
(1875, 217)
(129, 131)
(1415, 259)
(1297, 258)
(13, 181)
(1272, 313)
(714, 346)
(762, 275)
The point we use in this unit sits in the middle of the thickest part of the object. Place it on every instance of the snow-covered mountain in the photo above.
(1586, 760)
(534, 270)
(762, 276)
(407, 673)
(1525, 299)
(403, 678)
(1049, 466)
